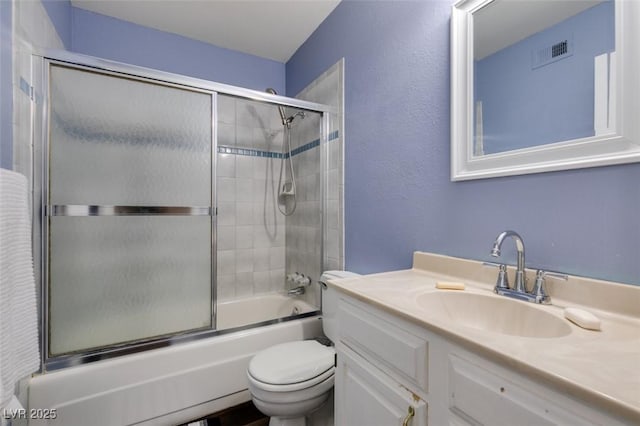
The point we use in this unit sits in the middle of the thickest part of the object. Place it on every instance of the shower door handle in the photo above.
(105, 210)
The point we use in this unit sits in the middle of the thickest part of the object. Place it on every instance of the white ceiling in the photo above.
(272, 29)
(505, 22)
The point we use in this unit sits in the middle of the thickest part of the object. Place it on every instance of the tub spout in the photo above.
(296, 291)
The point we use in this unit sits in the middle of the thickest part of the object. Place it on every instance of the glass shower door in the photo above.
(129, 210)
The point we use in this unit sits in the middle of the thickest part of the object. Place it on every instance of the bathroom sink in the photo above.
(495, 314)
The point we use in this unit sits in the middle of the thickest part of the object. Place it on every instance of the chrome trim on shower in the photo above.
(138, 346)
(49, 211)
(214, 216)
(325, 126)
(135, 71)
(40, 185)
(93, 210)
(42, 212)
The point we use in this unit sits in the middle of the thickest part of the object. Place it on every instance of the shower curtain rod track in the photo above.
(74, 59)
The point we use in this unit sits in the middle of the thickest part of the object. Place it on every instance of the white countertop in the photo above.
(600, 367)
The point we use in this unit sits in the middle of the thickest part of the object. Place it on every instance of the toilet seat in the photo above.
(292, 366)
(292, 387)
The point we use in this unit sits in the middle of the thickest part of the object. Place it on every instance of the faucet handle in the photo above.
(539, 289)
(554, 274)
(502, 282)
(302, 280)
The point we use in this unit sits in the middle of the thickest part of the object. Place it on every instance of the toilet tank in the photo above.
(330, 302)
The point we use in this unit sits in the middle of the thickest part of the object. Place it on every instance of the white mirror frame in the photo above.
(621, 146)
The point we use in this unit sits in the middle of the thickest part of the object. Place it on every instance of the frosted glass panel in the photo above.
(117, 141)
(117, 279)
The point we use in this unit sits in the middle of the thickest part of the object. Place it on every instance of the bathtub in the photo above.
(175, 384)
(241, 312)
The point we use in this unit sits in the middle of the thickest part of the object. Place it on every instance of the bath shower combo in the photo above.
(128, 244)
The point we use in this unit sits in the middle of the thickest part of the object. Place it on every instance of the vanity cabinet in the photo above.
(381, 371)
(366, 396)
(386, 364)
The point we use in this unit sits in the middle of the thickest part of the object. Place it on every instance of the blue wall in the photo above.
(109, 38)
(6, 105)
(98, 35)
(398, 196)
(59, 12)
(525, 107)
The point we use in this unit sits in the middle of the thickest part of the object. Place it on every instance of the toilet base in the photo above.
(296, 421)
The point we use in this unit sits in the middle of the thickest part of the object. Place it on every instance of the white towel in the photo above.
(19, 353)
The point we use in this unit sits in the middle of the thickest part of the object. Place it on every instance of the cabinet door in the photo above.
(366, 396)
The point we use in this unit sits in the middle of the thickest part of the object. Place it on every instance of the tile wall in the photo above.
(304, 226)
(251, 230)
(327, 89)
(257, 245)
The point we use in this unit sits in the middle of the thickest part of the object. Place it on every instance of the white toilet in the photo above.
(291, 380)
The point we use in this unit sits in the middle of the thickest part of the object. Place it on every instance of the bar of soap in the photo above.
(582, 318)
(449, 285)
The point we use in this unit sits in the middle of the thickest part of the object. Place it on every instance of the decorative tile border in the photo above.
(303, 148)
(224, 149)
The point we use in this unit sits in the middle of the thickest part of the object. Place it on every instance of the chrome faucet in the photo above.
(538, 293)
(521, 278)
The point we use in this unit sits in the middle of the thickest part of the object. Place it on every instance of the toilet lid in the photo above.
(292, 362)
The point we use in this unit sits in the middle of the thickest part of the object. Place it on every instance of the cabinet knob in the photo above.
(410, 413)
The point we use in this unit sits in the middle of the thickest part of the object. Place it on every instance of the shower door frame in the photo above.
(41, 63)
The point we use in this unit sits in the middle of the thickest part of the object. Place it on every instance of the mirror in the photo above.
(544, 70)
(543, 85)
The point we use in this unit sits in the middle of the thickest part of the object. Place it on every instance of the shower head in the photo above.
(283, 115)
(300, 114)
